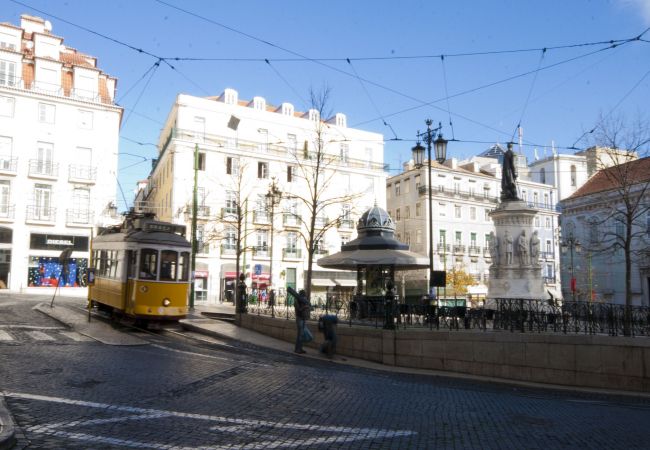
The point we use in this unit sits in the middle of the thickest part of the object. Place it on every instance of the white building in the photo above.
(59, 129)
(564, 172)
(243, 145)
(463, 194)
(592, 217)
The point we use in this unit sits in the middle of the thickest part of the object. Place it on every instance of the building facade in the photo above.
(58, 121)
(242, 148)
(594, 218)
(463, 194)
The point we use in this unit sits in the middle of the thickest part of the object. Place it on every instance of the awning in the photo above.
(322, 282)
(401, 259)
(345, 282)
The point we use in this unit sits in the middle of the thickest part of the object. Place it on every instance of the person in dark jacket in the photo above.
(302, 308)
(327, 324)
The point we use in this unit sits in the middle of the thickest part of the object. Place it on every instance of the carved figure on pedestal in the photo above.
(494, 248)
(522, 244)
(509, 176)
(507, 239)
(534, 249)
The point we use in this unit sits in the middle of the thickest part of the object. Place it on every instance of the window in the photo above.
(232, 165)
(262, 242)
(441, 188)
(549, 247)
(201, 245)
(7, 106)
(81, 205)
(537, 222)
(292, 242)
(459, 237)
(398, 216)
(262, 170)
(542, 175)
(486, 215)
(487, 241)
(472, 213)
(397, 188)
(443, 236)
(85, 119)
(574, 180)
(5, 195)
(407, 185)
(290, 173)
(472, 239)
(548, 222)
(417, 182)
(44, 158)
(292, 145)
(345, 240)
(407, 212)
(345, 153)
(7, 73)
(546, 201)
(148, 263)
(442, 209)
(231, 202)
(457, 211)
(201, 161)
(264, 140)
(168, 265)
(46, 113)
(535, 198)
(48, 80)
(184, 266)
(230, 238)
(418, 209)
(6, 147)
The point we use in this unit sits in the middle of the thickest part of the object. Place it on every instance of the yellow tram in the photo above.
(142, 269)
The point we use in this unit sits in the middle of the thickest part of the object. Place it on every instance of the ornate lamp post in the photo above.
(273, 197)
(570, 244)
(440, 146)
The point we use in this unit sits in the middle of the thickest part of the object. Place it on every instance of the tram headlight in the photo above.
(166, 302)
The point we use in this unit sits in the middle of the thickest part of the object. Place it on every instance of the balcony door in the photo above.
(42, 202)
(44, 158)
(81, 206)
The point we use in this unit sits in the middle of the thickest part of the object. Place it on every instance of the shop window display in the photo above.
(46, 272)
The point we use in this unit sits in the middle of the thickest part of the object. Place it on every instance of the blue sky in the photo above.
(558, 103)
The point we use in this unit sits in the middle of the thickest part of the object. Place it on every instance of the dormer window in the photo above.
(259, 103)
(313, 115)
(230, 97)
(341, 120)
(287, 109)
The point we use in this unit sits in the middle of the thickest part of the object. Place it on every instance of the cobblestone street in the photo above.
(176, 393)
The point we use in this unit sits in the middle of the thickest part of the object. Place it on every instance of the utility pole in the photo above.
(195, 204)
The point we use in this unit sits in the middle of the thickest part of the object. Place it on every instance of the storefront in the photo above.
(45, 269)
(6, 236)
(201, 282)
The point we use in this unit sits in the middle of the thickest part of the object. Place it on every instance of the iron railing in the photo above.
(503, 315)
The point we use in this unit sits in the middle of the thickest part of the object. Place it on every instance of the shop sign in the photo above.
(39, 241)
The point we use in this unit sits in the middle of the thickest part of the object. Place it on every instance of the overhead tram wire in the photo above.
(285, 81)
(530, 91)
(372, 102)
(153, 72)
(152, 67)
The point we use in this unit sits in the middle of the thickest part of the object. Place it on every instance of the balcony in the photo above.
(43, 169)
(459, 249)
(75, 217)
(474, 250)
(8, 165)
(261, 217)
(82, 174)
(261, 251)
(202, 248)
(7, 213)
(346, 224)
(443, 248)
(202, 211)
(321, 222)
(290, 220)
(291, 253)
(229, 213)
(321, 251)
(486, 252)
(457, 193)
(228, 249)
(40, 214)
(547, 255)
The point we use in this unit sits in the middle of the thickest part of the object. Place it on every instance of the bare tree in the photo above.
(625, 182)
(316, 167)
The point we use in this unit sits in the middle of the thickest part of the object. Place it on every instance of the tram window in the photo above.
(132, 263)
(184, 266)
(168, 265)
(148, 263)
(103, 263)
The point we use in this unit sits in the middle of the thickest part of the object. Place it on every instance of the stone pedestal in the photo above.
(515, 271)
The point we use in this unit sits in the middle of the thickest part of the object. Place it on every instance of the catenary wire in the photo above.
(530, 92)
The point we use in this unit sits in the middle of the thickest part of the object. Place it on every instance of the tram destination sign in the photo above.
(164, 227)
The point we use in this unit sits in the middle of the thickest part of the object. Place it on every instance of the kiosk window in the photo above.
(148, 263)
(168, 265)
(184, 266)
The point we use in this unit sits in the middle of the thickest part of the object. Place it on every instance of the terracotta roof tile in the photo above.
(636, 171)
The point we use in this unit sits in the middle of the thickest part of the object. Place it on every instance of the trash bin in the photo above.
(327, 325)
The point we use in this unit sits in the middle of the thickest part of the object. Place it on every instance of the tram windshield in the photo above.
(168, 265)
(184, 266)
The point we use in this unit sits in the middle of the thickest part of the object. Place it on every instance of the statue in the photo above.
(508, 244)
(522, 244)
(494, 248)
(534, 248)
(509, 176)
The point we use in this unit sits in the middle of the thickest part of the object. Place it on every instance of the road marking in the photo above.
(76, 336)
(30, 327)
(234, 426)
(39, 336)
(4, 336)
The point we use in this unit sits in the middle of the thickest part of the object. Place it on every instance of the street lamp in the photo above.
(273, 197)
(570, 244)
(440, 146)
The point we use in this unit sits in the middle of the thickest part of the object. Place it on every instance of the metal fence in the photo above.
(513, 315)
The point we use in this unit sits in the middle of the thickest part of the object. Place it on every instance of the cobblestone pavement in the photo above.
(175, 393)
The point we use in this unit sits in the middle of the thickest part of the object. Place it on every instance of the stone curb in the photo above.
(7, 427)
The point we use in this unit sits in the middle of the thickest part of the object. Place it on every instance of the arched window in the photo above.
(574, 181)
(542, 175)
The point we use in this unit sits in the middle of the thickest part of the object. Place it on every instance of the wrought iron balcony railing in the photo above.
(291, 253)
(40, 213)
(43, 168)
(79, 217)
(82, 173)
(8, 164)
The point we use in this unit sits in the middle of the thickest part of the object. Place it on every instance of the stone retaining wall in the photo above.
(573, 360)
